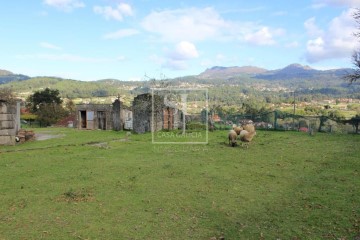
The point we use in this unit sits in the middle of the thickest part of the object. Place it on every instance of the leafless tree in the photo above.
(355, 75)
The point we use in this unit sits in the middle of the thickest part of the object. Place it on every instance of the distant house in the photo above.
(102, 116)
(149, 117)
(9, 122)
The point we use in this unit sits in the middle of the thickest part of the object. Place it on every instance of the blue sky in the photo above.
(97, 39)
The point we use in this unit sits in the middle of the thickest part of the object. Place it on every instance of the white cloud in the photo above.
(193, 24)
(323, 3)
(311, 28)
(202, 24)
(49, 46)
(264, 36)
(315, 48)
(65, 5)
(338, 41)
(118, 13)
(121, 33)
(177, 58)
(126, 9)
(184, 51)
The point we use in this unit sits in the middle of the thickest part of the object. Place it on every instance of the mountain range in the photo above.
(289, 72)
(221, 81)
(227, 72)
(292, 71)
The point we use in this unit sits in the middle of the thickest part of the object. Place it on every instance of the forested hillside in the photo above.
(227, 86)
(72, 88)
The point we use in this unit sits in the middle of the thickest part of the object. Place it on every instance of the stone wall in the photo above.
(172, 118)
(94, 116)
(116, 115)
(99, 116)
(143, 120)
(126, 117)
(9, 122)
(142, 105)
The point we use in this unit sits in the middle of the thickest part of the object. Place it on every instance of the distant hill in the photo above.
(7, 76)
(5, 72)
(228, 72)
(225, 84)
(72, 88)
(297, 71)
(292, 71)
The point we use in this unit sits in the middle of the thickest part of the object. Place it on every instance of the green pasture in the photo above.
(111, 185)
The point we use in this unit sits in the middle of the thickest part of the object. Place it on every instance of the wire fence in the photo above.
(277, 120)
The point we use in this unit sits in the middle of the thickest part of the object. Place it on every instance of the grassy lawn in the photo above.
(98, 185)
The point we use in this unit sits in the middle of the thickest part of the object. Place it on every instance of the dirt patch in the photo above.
(82, 195)
(100, 145)
(45, 136)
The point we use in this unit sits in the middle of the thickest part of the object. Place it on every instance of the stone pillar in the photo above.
(116, 106)
(9, 122)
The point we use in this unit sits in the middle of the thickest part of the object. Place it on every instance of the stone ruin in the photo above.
(10, 132)
(100, 116)
(145, 120)
(9, 122)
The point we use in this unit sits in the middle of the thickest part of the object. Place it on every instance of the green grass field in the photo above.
(100, 185)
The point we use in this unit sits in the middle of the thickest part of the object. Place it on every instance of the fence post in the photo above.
(275, 120)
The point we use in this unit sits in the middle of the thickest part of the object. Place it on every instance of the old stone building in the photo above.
(127, 118)
(171, 118)
(153, 115)
(140, 118)
(142, 113)
(101, 116)
(9, 122)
